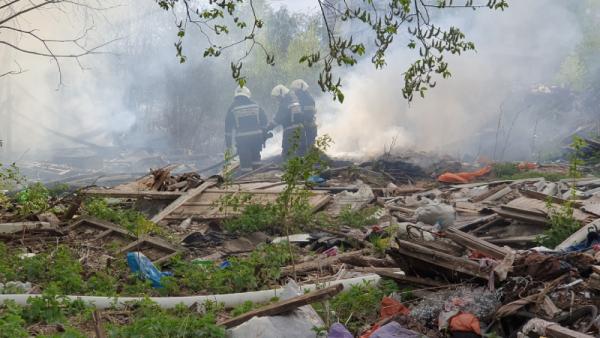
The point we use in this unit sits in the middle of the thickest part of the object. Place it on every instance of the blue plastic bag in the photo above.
(140, 264)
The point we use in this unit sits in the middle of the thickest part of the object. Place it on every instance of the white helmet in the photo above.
(299, 84)
(279, 90)
(242, 91)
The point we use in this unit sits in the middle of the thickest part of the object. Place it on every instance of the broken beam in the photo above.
(181, 200)
(475, 243)
(285, 306)
(449, 262)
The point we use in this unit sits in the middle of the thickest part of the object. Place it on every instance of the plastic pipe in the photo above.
(229, 300)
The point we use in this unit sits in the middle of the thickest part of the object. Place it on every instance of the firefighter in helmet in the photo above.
(289, 116)
(307, 105)
(245, 123)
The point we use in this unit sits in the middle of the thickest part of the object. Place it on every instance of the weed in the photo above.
(260, 269)
(357, 218)
(247, 306)
(58, 190)
(149, 320)
(254, 217)
(102, 284)
(11, 321)
(51, 307)
(380, 244)
(65, 271)
(504, 169)
(359, 306)
(135, 222)
(10, 177)
(33, 199)
(562, 222)
(68, 333)
(562, 225)
(509, 171)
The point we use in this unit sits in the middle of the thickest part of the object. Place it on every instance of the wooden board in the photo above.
(182, 199)
(285, 305)
(535, 205)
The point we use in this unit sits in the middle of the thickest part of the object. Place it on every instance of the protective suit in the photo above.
(309, 111)
(290, 117)
(245, 123)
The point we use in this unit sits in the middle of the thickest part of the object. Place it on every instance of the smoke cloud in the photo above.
(515, 50)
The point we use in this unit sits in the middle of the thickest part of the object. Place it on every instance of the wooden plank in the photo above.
(131, 246)
(487, 194)
(101, 224)
(521, 216)
(543, 197)
(449, 262)
(103, 234)
(472, 224)
(540, 206)
(182, 199)
(165, 195)
(164, 259)
(403, 279)
(513, 240)
(319, 204)
(499, 194)
(319, 263)
(524, 211)
(10, 228)
(475, 243)
(285, 305)
(485, 226)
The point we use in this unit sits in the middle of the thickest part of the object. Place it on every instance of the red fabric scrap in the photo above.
(465, 322)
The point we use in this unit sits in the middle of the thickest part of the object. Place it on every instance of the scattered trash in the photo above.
(143, 267)
(338, 330)
(464, 177)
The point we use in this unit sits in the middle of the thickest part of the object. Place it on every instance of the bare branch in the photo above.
(14, 72)
(26, 10)
(10, 3)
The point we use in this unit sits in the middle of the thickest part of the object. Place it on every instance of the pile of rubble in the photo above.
(469, 252)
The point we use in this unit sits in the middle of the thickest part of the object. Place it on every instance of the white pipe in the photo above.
(229, 300)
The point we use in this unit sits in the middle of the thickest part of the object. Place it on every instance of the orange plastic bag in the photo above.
(391, 307)
(464, 177)
(465, 322)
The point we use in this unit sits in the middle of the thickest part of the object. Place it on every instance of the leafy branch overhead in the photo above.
(229, 23)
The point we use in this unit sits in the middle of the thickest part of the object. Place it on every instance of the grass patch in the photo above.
(357, 218)
(510, 171)
(149, 320)
(358, 307)
(562, 225)
(134, 221)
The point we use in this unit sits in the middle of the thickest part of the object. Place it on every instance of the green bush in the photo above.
(33, 199)
(259, 270)
(11, 321)
(149, 320)
(359, 306)
(254, 217)
(357, 218)
(562, 225)
(135, 222)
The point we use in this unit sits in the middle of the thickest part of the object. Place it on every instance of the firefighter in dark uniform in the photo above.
(246, 123)
(290, 117)
(307, 104)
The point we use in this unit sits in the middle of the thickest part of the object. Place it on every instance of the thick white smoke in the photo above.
(515, 49)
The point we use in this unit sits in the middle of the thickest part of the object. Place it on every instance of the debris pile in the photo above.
(382, 249)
